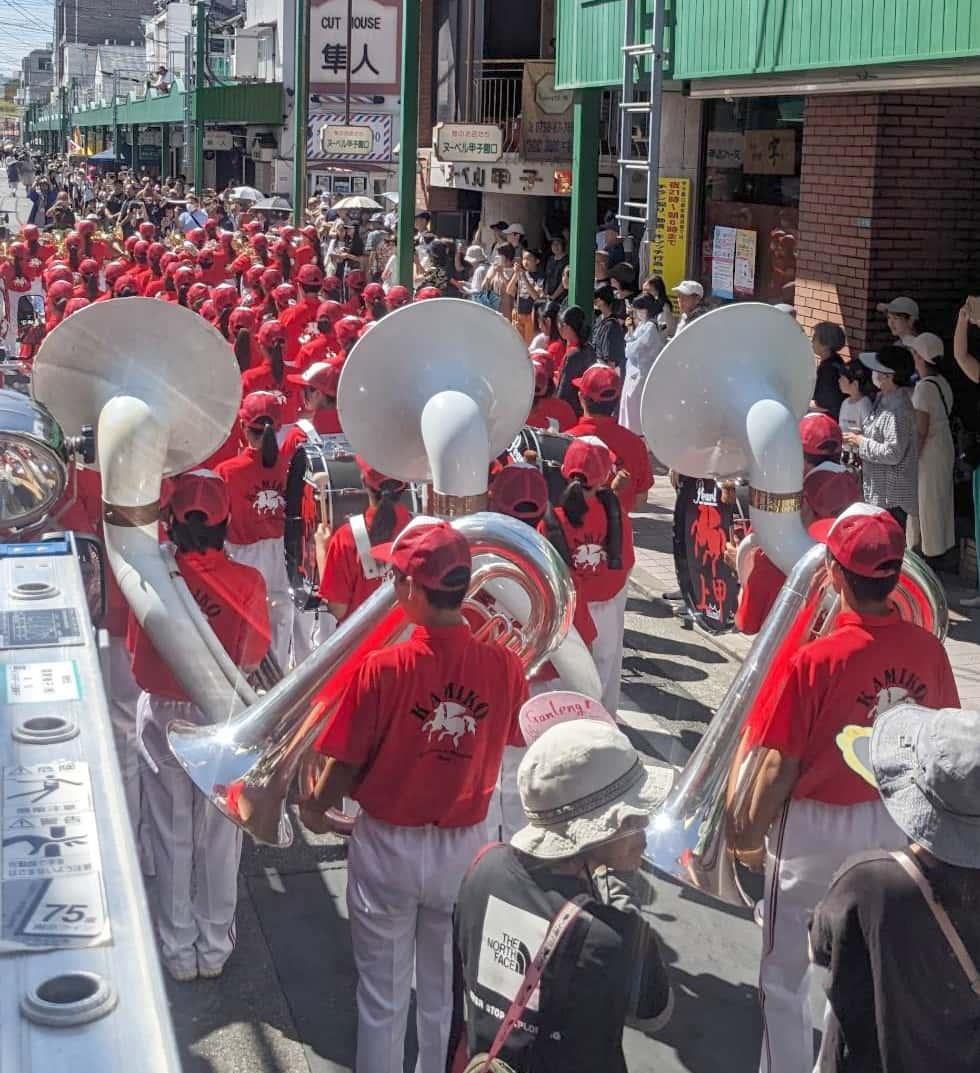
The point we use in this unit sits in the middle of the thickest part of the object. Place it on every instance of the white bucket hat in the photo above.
(579, 783)
(927, 765)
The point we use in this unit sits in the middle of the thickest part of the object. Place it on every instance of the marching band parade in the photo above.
(368, 546)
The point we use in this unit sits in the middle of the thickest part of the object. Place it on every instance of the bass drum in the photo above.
(546, 450)
(705, 520)
(323, 485)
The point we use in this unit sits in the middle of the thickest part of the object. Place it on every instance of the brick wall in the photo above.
(426, 69)
(889, 204)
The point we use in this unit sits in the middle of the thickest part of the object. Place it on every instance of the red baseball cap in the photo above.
(425, 293)
(520, 492)
(542, 374)
(588, 459)
(398, 296)
(261, 404)
(867, 541)
(427, 552)
(599, 383)
(202, 490)
(821, 436)
(321, 375)
(373, 478)
(828, 491)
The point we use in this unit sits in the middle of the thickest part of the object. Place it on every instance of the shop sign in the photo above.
(725, 148)
(342, 141)
(723, 263)
(374, 47)
(537, 180)
(218, 140)
(468, 142)
(378, 124)
(744, 267)
(769, 152)
(546, 115)
(668, 250)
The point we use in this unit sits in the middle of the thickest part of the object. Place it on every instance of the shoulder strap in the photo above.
(939, 391)
(559, 926)
(370, 566)
(309, 429)
(946, 926)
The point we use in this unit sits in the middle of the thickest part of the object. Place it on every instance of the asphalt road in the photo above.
(286, 1001)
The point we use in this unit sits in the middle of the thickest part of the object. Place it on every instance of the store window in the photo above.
(751, 198)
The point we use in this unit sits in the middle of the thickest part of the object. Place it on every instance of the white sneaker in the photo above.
(970, 601)
(181, 974)
(211, 973)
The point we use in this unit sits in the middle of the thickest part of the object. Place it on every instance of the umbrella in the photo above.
(273, 204)
(358, 201)
(245, 193)
(391, 195)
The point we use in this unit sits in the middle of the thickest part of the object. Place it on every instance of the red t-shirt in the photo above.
(153, 286)
(758, 592)
(426, 722)
(551, 408)
(594, 580)
(233, 599)
(295, 320)
(259, 378)
(326, 422)
(628, 450)
(838, 684)
(322, 347)
(343, 580)
(258, 496)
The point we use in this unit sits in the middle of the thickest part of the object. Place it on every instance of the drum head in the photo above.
(703, 526)
(546, 450)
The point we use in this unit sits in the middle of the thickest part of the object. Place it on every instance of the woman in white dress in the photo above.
(932, 398)
(644, 341)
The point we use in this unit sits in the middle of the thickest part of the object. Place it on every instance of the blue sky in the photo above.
(24, 24)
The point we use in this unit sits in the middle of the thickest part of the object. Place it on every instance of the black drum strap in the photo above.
(614, 527)
(556, 535)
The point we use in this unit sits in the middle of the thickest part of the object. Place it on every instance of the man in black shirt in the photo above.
(900, 999)
(587, 796)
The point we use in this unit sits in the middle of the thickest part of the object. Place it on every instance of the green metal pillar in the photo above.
(408, 141)
(585, 193)
(164, 150)
(301, 108)
(200, 59)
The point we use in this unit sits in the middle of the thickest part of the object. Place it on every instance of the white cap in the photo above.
(515, 229)
(928, 346)
(906, 307)
(689, 286)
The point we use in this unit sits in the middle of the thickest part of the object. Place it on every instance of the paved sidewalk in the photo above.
(654, 575)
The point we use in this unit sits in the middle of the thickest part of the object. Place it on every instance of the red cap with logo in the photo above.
(199, 490)
(828, 491)
(261, 404)
(310, 276)
(519, 492)
(427, 552)
(398, 296)
(322, 375)
(599, 383)
(867, 541)
(373, 292)
(587, 460)
(821, 436)
(374, 478)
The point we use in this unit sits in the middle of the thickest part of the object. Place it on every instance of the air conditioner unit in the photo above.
(263, 153)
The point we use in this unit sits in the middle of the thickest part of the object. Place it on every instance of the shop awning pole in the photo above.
(408, 141)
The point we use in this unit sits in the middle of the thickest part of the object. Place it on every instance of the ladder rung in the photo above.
(635, 106)
(636, 205)
(632, 219)
(634, 165)
(638, 50)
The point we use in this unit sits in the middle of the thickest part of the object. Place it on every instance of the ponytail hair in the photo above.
(223, 319)
(574, 503)
(193, 534)
(92, 288)
(182, 296)
(243, 349)
(74, 258)
(285, 266)
(269, 448)
(382, 527)
(278, 362)
(378, 309)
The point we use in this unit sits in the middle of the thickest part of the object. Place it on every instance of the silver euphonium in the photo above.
(160, 410)
(724, 400)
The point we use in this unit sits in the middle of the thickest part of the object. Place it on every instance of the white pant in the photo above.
(195, 850)
(304, 623)
(805, 848)
(268, 557)
(124, 695)
(609, 617)
(402, 884)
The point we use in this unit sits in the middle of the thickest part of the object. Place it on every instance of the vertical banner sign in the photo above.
(375, 46)
(744, 268)
(546, 116)
(723, 263)
(668, 250)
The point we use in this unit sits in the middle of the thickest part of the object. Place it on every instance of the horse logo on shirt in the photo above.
(269, 501)
(449, 720)
(588, 555)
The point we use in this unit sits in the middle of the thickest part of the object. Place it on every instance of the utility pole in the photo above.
(408, 141)
(200, 58)
(301, 107)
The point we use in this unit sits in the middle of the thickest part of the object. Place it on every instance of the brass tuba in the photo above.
(155, 418)
(723, 400)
